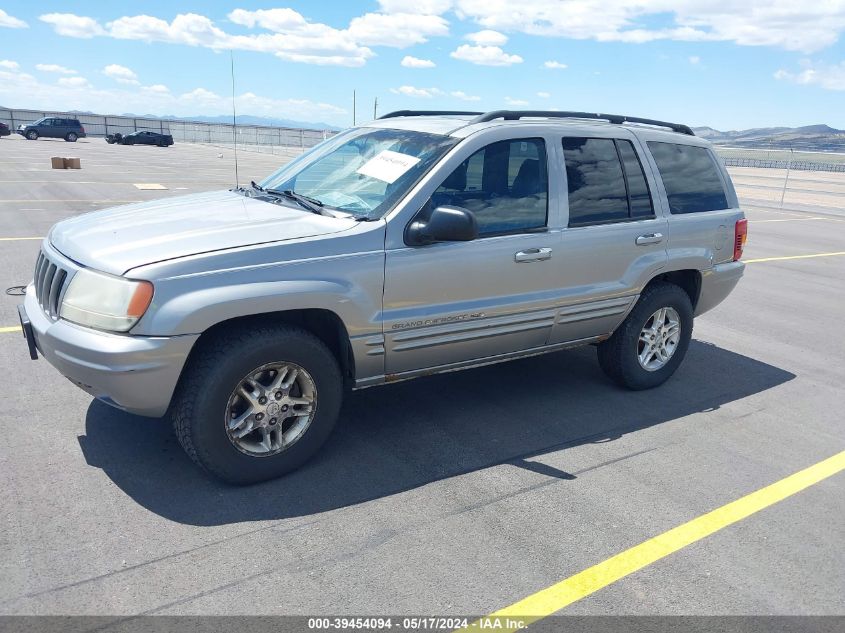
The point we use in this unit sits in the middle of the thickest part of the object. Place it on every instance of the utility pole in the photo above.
(375, 108)
(354, 122)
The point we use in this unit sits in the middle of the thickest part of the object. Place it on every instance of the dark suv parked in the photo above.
(53, 127)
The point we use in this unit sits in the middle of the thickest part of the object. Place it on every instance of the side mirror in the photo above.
(444, 224)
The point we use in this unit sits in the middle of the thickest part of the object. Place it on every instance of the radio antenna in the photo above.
(234, 119)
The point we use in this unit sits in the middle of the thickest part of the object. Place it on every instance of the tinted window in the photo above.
(690, 177)
(638, 194)
(504, 184)
(596, 184)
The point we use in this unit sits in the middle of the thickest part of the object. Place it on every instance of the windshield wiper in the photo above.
(312, 204)
(256, 186)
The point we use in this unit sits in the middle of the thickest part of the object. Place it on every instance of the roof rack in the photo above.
(392, 115)
(512, 115)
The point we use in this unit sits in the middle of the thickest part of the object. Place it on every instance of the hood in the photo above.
(116, 240)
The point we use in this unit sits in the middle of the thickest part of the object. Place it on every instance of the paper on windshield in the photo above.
(387, 166)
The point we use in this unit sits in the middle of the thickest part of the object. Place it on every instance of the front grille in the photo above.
(49, 280)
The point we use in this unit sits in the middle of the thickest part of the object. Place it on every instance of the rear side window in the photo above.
(690, 176)
(606, 181)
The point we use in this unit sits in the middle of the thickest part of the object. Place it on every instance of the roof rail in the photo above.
(512, 115)
(392, 115)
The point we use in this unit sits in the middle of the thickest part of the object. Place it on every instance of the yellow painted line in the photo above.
(777, 259)
(789, 220)
(13, 239)
(552, 599)
(14, 328)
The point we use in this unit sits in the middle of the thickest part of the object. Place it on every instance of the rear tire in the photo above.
(203, 411)
(643, 352)
(71, 137)
(32, 135)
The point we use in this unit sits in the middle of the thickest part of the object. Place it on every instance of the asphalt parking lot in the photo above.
(454, 494)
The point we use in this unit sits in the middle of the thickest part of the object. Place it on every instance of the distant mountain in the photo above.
(821, 138)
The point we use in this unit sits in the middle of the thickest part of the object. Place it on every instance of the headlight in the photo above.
(105, 302)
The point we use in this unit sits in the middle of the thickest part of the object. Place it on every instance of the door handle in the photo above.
(651, 238)
(532, 255)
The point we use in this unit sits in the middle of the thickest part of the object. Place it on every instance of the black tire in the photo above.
(32, 135)
(618, 354)
(214, 372)
(71, 137)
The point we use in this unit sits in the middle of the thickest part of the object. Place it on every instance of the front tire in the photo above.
(257, 403)
(32, 135)
(652, 341)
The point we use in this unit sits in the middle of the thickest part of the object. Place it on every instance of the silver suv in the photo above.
(421, 242)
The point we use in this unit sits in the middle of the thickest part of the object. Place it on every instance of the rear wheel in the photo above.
(258, 403)
(652, 341)
(32, 135)
(71, 137)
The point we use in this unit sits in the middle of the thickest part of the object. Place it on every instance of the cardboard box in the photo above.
(73, 163)
(57, 162)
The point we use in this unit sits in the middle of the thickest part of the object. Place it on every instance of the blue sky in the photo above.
(725, 63)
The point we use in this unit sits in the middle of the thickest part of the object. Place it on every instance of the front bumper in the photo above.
(135, 373)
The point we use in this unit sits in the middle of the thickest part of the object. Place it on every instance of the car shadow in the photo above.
(403, 436)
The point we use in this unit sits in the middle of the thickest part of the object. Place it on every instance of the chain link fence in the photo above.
(777, 158)
(274, 140)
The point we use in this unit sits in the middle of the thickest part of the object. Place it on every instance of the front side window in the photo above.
(363, 171)
(690, 177)
(504, 184)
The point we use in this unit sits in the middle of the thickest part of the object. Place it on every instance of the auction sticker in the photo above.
(387, 166)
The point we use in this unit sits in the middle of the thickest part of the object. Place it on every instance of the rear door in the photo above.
(615, 236)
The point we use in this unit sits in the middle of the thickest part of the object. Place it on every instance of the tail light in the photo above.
(83, 128)
(740, 237)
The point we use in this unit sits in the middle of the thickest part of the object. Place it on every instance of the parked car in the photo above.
(140, 138)
(4, 130)
(53, 127)
(414, 244)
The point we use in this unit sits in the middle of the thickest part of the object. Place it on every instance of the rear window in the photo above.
(690, 176)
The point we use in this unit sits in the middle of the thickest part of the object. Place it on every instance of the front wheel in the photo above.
(652, 341)
(256, 404)
(32, 135)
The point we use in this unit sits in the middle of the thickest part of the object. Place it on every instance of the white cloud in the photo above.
(554, 65)
(515, 102)
(11, 22)
(799, 26)
(543, 95)
(694, 59)
(160, 89)
(55, 68)
(398, 30)
(415, 62)
(19, 89)
(427, 7)
(459, 94)
(828, 77)
(487, 38)
(485, 55)
(121, 74)
(9, 64)
(72, 25)
(74, 82)
(411, 91)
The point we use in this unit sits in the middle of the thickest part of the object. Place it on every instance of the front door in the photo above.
(453, 303)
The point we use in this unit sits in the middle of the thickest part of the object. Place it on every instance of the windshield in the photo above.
(363, 171)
